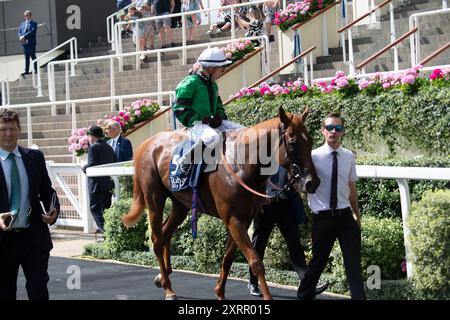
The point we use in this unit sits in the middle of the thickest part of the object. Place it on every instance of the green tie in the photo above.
(14, 199)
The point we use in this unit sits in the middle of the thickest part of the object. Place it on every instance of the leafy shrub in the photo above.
(389, 123)
(429, 224)
(117, 237)
(382, 245)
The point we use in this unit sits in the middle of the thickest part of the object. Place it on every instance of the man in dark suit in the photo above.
(24, 235)
(99, 187)
(27, 37)
(123, 151)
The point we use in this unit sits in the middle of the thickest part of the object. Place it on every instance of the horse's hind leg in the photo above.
(238, 231)
(225, 268)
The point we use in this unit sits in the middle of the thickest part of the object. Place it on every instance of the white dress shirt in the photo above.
(323, 161)
(21, 221)
(113, 142)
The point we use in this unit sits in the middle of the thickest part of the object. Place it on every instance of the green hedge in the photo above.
(382, 245)
(117, 237)
(388, 123)
(429, 224)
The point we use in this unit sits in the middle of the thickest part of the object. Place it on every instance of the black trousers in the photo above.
(18, 249)
(325, 230)
(29, 52)
(99, 201)
(277, 213)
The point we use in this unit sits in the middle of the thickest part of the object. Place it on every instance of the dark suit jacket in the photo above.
(124, 150)
(29, 33)
(40, 190)
(99, 153)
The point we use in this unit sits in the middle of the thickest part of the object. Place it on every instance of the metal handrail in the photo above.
(414, 40)
(73, 54)
(365, 15)
(303, 54)
(5, 92)
(435, 53)
(158, 52)
(386, 48)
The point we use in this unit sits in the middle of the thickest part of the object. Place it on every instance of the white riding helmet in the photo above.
(213, 57)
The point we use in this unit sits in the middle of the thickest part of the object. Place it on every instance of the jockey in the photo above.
(198, 105)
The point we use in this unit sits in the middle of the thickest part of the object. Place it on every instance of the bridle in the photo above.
(295, 170)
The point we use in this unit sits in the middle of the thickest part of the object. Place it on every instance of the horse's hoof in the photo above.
(158, 281)
(171, 297)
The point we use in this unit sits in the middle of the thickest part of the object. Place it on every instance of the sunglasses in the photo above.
(337, 127)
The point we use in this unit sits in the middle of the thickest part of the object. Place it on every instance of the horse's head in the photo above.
(295, 151)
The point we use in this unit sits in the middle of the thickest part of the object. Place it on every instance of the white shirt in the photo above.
(323, 161)
(22, 217)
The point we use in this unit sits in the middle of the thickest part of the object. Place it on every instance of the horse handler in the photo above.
(198, 105)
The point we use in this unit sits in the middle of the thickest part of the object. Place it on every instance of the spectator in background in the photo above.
(255, 25)
(135, 14)
(149, 26)
(121, 4)
(192, 20)
(269, 9)
(27, 37)
(225, 16)
(99, 187)
(176, 21)
(163, 8)
(123, 150)
(287, 212)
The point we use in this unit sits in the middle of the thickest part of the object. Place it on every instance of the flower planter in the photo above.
(142, 131)
(311, 34)
(240, 74)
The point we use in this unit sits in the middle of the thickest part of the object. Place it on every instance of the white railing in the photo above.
(73, 103)
(5, 92)
(73, 56)
(401, 174)
(415, 38)
(158, 52)
(118, 25)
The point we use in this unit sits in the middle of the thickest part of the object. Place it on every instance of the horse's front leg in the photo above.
(238, 230)
(225, 268)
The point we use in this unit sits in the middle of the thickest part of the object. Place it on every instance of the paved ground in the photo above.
(73, 278)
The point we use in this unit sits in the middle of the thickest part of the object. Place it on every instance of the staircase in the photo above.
(434, 32)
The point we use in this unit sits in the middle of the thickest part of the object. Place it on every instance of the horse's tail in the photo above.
(138, 206)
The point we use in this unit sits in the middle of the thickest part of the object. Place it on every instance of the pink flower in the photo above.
(137, 112)
(340, 74)
(341, 82)
(403, 266)
(410, 79)
(263, 90)
(304, 88)
(386, 85)
(437, 73)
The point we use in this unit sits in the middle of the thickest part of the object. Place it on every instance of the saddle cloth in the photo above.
(180, 180)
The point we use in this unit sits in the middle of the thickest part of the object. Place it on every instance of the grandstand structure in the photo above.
(111, 74)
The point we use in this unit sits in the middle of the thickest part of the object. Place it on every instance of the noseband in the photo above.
(295, 170)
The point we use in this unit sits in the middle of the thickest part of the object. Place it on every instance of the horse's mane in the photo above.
(273, 123)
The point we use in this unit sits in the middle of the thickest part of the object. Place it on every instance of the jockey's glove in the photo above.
(212, 121)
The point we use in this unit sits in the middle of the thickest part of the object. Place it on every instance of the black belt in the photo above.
(18, 229)
(336, 212)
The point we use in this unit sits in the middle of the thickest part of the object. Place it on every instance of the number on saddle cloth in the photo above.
(180, 180)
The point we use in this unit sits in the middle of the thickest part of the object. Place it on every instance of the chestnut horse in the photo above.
(236, 207)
